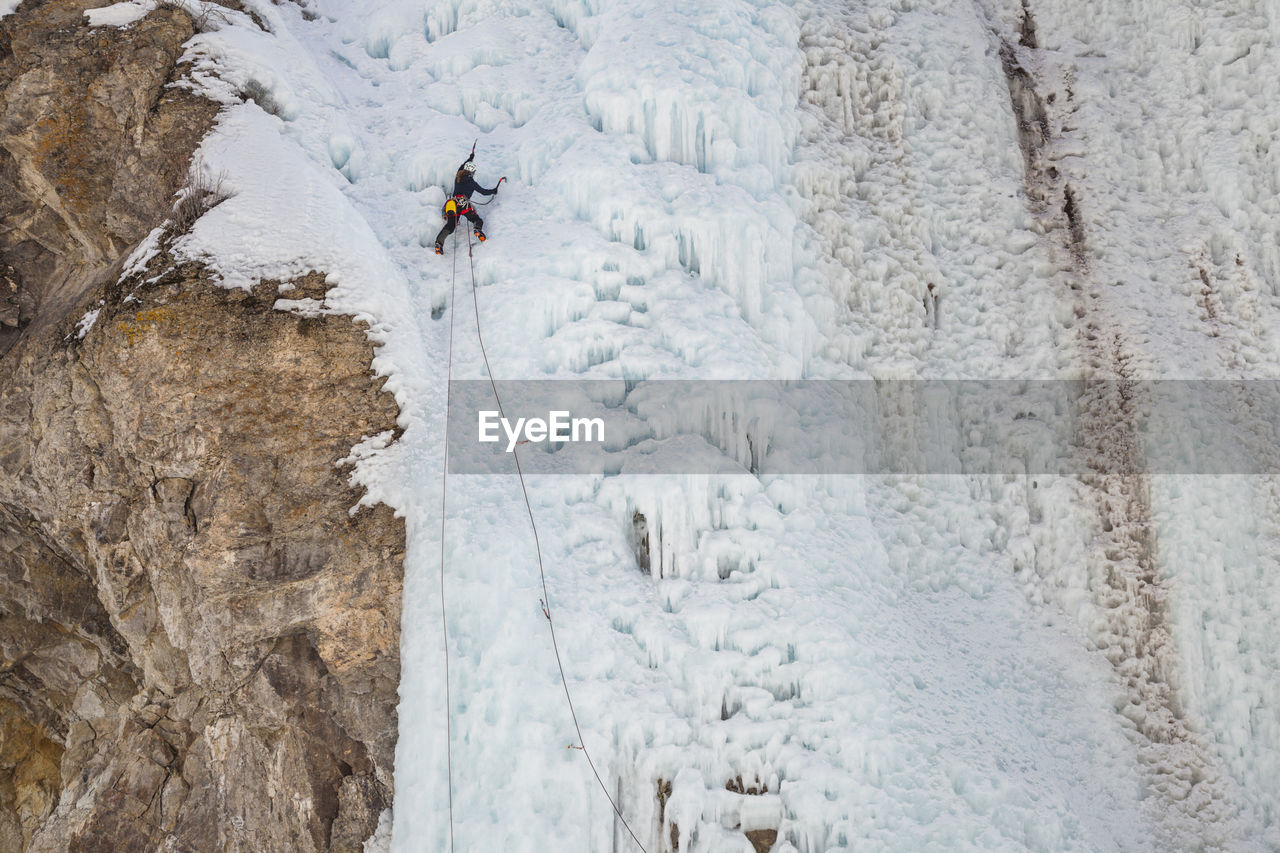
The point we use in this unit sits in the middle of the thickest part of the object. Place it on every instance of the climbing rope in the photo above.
(546, 598)
(444, 491)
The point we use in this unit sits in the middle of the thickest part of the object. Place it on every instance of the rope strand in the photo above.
(444, 491)
(546, 598)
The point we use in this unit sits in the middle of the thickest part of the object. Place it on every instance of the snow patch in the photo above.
(119, 14)
(85, 323)
(142, 255)
(380, 841)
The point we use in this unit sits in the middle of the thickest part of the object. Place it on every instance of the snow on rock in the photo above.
(119, 14)
(85, 323)
(380, 841)
(142, 255)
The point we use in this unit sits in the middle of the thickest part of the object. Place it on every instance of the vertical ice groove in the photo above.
(1167, 190)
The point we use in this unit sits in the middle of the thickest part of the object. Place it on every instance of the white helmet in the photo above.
(469, 167)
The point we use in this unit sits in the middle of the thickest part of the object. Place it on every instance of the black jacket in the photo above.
(464, 185)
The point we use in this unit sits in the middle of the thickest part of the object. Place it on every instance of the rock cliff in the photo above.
(199, 641)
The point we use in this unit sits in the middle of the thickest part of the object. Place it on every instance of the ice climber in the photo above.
(459, 204)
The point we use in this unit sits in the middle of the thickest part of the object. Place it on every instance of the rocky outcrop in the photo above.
(199, 636)
(29, 777)
(93, 143)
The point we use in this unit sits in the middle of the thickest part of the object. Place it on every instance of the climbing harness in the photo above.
(458, 205)
(545, 602)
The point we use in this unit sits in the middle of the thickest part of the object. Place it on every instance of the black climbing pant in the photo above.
(451, 222)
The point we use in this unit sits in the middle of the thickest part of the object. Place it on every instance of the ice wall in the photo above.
(773, 190)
